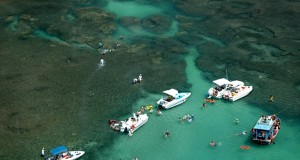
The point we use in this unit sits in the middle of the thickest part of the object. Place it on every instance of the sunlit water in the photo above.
(190, 140)
(138, 10)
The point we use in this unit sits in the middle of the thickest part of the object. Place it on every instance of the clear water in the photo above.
(138, 10)
(190, 140)
(132, 9)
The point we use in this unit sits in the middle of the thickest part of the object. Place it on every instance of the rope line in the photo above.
(282, 110)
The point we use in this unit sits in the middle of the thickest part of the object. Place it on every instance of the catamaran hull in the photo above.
(242, 94)
(215, 94)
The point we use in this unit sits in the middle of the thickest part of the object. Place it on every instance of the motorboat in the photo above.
(266, 129)
(131, 124)
(62, 153)
(229, 90)
(173, 98)
(236, 90)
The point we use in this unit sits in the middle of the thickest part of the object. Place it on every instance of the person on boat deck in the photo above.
(169, 98)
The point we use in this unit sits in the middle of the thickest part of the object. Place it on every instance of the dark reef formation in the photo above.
(256, 41)
(157, 23)
(51, 88)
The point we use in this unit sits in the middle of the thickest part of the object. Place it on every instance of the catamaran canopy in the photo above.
(221, 82)
(171, 92)
(58, 150)
(266, 127)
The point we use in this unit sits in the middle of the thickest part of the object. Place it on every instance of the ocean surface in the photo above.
(55, 92)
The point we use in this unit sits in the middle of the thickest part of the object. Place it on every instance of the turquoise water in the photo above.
(138, 10)
(132, 9)
(190, 140)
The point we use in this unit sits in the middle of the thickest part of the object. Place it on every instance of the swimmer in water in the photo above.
(237, 121)
(212, 143)
(167, 134)
(242, 133)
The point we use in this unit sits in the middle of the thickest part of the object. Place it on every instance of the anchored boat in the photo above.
(62, 153)
(173, 98)
(266, 129)
(229, 90)
(131, 124)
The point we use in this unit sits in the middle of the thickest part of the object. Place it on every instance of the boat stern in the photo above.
(76, 154)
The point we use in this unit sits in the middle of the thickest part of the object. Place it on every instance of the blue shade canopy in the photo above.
(263, 126)
(58, 150)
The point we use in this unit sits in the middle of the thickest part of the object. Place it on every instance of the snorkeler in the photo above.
(242, 133)
(212, 143)
(167, 134)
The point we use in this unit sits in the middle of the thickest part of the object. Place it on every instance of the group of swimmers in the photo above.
(187, 117)
(208, 100)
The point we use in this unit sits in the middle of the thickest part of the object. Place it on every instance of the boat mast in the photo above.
(226, 74)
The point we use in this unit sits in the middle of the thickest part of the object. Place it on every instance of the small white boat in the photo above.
(229, 90)
(62, 153)
(131, 124)
(173, 98)
(266, 129)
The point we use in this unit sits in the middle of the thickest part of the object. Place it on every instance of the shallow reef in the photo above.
(255, 41)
